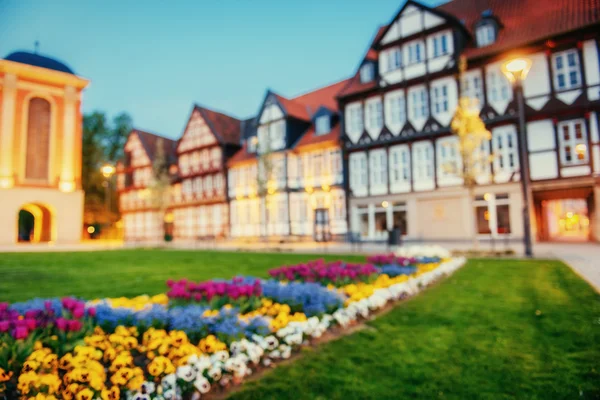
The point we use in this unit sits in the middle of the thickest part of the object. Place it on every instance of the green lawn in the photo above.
(496, 329)
(127, 272)
(477, 335)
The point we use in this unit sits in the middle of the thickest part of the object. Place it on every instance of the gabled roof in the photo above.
(37, 60)
(149, 142)
(305, 105)
(293, 108)
(226, 128)
(523, 22)
(354, 85)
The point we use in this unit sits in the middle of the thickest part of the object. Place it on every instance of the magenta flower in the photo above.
(20, 332)
(79, 312)
(62, 324)
(4, 326)
(74, 325)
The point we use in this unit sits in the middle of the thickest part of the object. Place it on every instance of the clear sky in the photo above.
(154, 59)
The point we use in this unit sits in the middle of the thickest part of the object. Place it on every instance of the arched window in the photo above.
(38, 139)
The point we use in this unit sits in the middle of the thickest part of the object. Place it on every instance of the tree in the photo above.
(264, 180)
(472, 134)
(102, 143)
(161, 181)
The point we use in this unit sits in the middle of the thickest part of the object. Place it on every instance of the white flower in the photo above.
(214, 373)
(169, 394)
(148, 387)
(267, 361)
(202, 384)
(275, 354)
(286, 351)
(169, 381)
(220, 356)
(140, 396)
(186, 373)
(272, 342)
(193, 359)
(203, 364)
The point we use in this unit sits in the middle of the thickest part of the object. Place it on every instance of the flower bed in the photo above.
(200, 337)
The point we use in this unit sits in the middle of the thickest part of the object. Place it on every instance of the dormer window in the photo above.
(323, 125)
(486, 34)
(367, 73)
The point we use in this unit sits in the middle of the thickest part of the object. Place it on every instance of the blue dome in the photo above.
(38, 61)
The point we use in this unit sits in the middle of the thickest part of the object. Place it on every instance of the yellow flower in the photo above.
(85, 394)
(111, 394)
(5, 375)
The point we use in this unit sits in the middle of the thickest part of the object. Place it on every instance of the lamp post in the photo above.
(107, 171)
(516, 71)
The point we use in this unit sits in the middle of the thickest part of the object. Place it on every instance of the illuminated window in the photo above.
(572, 137)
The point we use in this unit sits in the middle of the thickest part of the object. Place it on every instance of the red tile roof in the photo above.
(523, 22)
(324, 96)
(227, 128)
(150, 141)
(310, 138)
(293, 108)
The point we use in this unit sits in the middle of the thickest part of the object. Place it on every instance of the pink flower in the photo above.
(20, 332)
(74, 325)
(4, 326)
(79, 312)
(3, 306)
(62, 324)
(30, 323)
(91, 311)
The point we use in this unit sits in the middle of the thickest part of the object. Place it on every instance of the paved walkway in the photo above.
(583, 258)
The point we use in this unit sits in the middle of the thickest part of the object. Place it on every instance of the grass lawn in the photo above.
(127, 272)
(496, 329)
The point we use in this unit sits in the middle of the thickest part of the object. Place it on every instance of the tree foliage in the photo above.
(102, 143)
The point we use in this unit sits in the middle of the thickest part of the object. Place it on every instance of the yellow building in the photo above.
(40, 150)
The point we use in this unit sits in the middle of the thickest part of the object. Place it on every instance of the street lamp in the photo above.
(516, 71)
(107, 171)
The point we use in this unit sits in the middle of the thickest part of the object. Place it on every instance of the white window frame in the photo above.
(572, 142)
(566, 64)
(354, 120)
(448, 157)
(486, 34)
(415, 52)
(323, 125)
(397, 108)
(505, 150)
(394, 59)
(498, 87)
(419, 103)
(440, 99)
(423, 161)
(399, 164)
(374, 114)
(472, 87)
(440, 45)
(378, 167)
(358, 171)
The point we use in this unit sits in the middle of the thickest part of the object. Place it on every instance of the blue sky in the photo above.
(154, 59)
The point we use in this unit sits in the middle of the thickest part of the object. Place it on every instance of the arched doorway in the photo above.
(35, 224)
